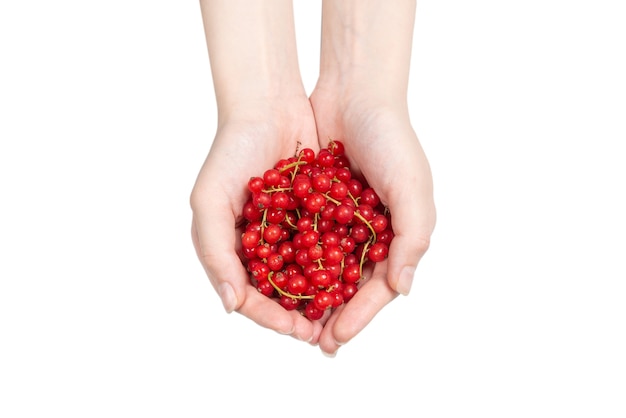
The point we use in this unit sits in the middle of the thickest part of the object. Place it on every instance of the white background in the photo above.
(518, 309)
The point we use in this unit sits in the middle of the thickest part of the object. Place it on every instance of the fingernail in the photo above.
(405, 280)
(299, 337)
(288, 332)
(227, 294)
(329, 355)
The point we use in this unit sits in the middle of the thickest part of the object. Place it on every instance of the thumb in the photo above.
(413, 221)
(222, 265)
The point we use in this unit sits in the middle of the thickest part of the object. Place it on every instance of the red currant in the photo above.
(377, 252)
(309, 228)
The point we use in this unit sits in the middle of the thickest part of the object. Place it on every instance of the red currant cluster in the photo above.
(310, 230)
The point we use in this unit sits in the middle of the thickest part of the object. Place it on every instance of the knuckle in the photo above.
(422, 244)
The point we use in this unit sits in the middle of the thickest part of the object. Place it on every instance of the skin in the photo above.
(361, 99)
(263, 110)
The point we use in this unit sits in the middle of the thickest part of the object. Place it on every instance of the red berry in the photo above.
(272, 233)
(325, 225)
(334, 270)
(366, 211)
(343, 174)
(347, 244)
(272, 177)
(351, 273)
(275, 216)
(330, 239)
(351, 259)
(342, 162)
(336, 148)
(250, 212)
(321, 278)
(341, 230)
(315, 253)
(261, 200)
(280, 280)
(250, 239)
(302, 187)
(302, 257)
(260, 271)
(385, 237)
(310, 238)
(265, 287)
(280, 200)
(304, 224)
(337, 296)
(289, 303)
(312, 312)
(325, 158)
(355, 187)
(263, 250)
(379, 223)
(349, 290)
(292, 270)
(284, 183)
(321, 183)
(377, 252)
(360, 233)
(343, 214)
(338, 191)
(328, 211)
(307, 155)
(255, 184)
(369, 197)
(297, 284)
(249, 253)
(288, 252)
(275, 261)
(333, 255)
(314, 202)
(323, 300)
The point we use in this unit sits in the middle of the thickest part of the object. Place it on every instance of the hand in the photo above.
(246, 146)
(361, 100)
(263, 112)
(384, 148)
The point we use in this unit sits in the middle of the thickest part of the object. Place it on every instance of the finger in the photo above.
(352, 318)
(327, 342)
(219, 259)
(413, 220)
(269, 314)
(249, 302)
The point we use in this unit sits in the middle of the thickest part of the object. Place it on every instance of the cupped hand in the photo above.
(382, 146)
(247, 143)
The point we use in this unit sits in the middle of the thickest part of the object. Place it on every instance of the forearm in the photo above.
(366, 47)
(252, 50)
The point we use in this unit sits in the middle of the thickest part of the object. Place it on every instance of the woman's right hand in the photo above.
(245, 145)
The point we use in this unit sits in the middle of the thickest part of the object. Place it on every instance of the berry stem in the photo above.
(357, 214)
(283, 293)
(292, 226)
(354, 199)
(362, 262)
(263, 222)
(291, 165)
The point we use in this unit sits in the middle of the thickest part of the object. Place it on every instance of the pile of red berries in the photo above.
(310, 230)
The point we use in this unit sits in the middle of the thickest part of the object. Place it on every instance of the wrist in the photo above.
(252, 50)
(366, 48)
(290, 105)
